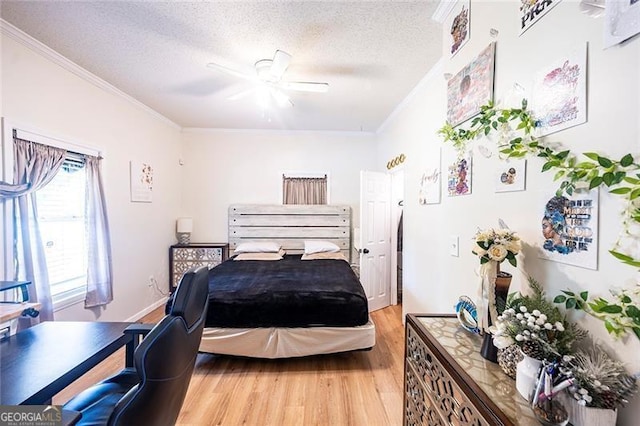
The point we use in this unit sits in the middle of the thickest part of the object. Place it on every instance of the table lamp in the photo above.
(184, 227)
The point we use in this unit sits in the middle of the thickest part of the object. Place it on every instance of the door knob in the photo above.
(365, 251)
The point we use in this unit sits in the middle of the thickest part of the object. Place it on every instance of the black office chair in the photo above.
(152, 392)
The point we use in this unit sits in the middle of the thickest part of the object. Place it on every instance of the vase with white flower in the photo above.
(493, 246)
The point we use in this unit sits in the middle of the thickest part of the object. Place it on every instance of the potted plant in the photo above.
(601, 386)
(538, 329)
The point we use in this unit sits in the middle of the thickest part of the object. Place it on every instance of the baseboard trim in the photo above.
(147, 310)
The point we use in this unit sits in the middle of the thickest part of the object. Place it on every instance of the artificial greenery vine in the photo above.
(587, 170)
(622, 176)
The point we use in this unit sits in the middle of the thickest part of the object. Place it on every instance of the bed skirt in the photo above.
(277, 342)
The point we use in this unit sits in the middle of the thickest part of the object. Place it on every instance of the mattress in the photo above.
(285, 293)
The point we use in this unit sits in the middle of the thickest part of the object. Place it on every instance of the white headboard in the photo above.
(290, 225)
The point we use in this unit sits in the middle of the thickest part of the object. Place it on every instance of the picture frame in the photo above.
(559, 92)
(430, 182)
(531, 11)
(141, 176)
(570, 228)
(510, 175)
(459, 176)
(471, 87)
(457, 27)
(620, 21)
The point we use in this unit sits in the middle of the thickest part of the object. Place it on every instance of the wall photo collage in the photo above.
(558, 100)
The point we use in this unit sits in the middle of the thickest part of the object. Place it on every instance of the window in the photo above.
(61, 211)
(58, 230)
(304, 190)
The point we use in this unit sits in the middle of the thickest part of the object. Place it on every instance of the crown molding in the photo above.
(55, 57)
(433, 72)
(442, 11)
(203, 130)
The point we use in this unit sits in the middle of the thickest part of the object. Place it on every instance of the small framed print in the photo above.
(141, 182)
(459, 176)
(471, 88)
(510, 175)
(457, 27)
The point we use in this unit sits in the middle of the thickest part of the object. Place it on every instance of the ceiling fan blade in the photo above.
(231, 71)
(304, 86)
(281, 60)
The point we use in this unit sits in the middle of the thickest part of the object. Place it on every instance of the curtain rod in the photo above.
(304, 177)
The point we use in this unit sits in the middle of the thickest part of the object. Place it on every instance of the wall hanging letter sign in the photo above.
(532, 10)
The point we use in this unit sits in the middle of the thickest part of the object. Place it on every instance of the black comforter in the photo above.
(285, 293)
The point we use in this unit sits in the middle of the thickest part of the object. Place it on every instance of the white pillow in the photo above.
(319, 246)
(257, 247)
(324, 255)
(260, 256)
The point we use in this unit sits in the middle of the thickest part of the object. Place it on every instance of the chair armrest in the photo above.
(139, 329)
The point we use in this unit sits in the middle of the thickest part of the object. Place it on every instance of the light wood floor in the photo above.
(357, 388)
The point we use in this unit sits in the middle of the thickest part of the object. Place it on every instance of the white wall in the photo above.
(433, 280)
(230, 167)
(41, 94)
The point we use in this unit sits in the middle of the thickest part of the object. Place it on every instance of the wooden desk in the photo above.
(37, 363)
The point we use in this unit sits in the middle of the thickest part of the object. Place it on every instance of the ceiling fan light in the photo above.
(282, 100)
(263, 97)
(263, 70)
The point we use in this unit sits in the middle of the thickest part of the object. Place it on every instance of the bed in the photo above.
(289, 307)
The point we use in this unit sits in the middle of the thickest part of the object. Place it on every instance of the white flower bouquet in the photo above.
(497, 245)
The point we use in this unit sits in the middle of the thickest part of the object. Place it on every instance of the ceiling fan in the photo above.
(269, 73)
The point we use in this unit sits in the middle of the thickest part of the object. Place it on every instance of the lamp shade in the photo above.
(184, 225)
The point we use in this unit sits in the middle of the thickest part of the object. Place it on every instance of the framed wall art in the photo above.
(430, 182)
(559, 93)
(471, 88)
(141, 182)
(457, 27)
(459, 176)
(531, 11)
(510, 175)
(621, 21)
(570, 229)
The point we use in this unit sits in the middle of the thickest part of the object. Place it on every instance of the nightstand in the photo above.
(183, 257)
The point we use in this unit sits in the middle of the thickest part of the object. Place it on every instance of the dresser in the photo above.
(184, 257)
(447, 382)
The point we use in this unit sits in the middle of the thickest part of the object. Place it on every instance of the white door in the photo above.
(375, 238)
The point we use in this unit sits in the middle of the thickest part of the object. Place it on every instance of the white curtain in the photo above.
(99, 271)
(35, 166)
(302, 190)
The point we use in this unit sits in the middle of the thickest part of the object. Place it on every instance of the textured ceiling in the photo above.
(372, 54)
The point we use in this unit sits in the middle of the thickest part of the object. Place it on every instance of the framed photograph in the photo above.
(141, 182)
(570, 229)
(457, 27)
(559, 93)
(471, 88)
(459, 176)
(510, 175)
(531, 11)
(621, 21)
